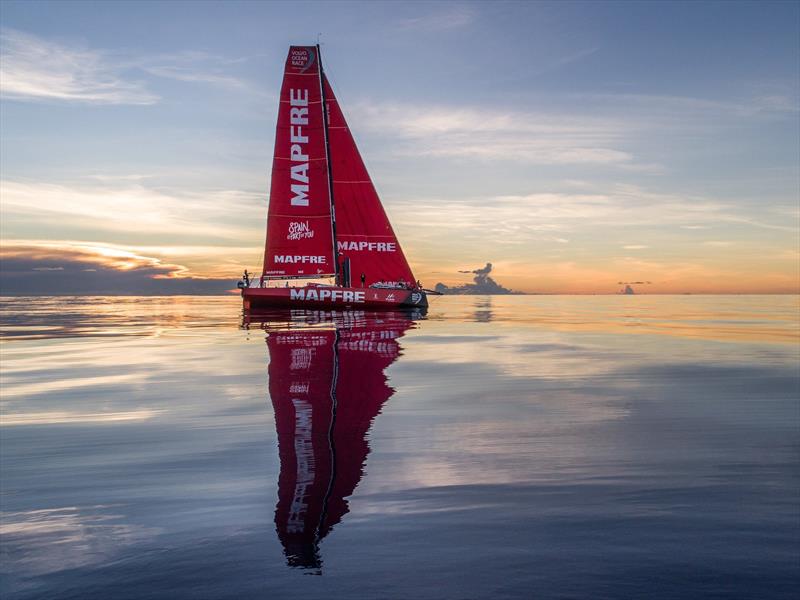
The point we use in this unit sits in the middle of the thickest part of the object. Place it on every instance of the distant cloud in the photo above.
(687, 112)
(539, 217)
(216, 233)
(32, 68)
(49, 255)
(87, 268)
(187, 74)
(454, 17)
(123, 204)
(194, 67)
(488, 134)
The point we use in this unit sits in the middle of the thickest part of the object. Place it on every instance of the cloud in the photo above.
(32, 68)
(674, 108)
(194, 67)
(455, 17)
(191, 75)
(59, 268)
(215, 233)
(521, 222)
(122, 205)
(490, 134)
(108, 257)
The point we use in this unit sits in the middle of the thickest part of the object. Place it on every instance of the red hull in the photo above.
(332, 297)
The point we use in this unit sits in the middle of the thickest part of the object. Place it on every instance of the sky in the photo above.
(573, 145)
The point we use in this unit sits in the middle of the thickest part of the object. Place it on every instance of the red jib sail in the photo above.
(363, 232)
(299, 230)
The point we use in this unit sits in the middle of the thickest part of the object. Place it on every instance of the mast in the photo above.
(330, 170)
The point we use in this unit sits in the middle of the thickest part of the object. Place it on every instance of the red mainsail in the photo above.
(299, 226)
(363, 232)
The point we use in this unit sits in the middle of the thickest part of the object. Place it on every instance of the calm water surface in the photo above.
(499, 447)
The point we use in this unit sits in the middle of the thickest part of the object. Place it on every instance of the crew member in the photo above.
(363, 279)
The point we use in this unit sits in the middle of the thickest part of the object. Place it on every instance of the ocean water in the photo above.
(496, 447)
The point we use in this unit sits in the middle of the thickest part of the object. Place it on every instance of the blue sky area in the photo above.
(572, 144)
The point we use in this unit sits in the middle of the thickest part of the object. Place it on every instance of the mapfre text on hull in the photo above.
(333, 297)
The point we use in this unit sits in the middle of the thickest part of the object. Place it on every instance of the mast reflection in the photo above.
(327, 384)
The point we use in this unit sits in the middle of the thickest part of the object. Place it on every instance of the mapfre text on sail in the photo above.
(298, 117)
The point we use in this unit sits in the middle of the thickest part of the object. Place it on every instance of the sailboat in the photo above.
(325, 218)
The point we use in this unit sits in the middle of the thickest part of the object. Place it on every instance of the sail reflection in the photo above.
(327, 384)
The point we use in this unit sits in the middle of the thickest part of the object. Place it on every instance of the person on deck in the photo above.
(363, 279)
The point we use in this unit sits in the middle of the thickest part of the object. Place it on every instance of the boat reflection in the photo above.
(327, 385)
(483, 310)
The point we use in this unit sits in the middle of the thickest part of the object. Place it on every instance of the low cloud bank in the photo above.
(41, 271)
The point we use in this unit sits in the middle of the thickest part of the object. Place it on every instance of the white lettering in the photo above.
(300, 197)
(298, 97)
(323, 294)
(299, 230)
(298, 116)
(296, 154)
(368, 246)
(288, 259)
(297, 136)
(304, 454)
(300, 172)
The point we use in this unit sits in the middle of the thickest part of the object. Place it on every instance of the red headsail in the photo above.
(299, 228)
(363, 232)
